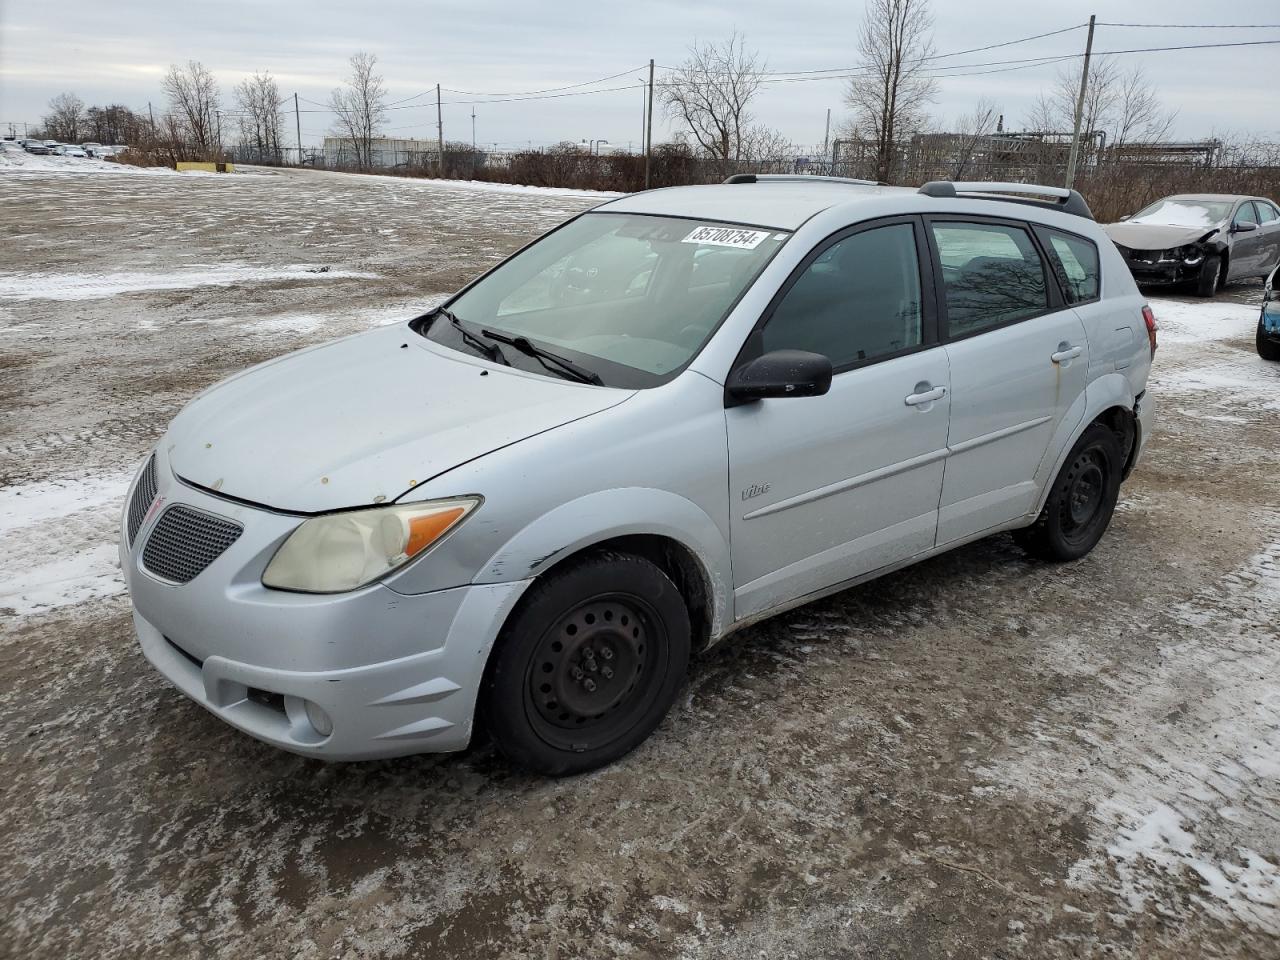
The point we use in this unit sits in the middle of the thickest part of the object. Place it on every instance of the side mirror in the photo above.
(1243, 227)
(1125, 217)
(781, 373)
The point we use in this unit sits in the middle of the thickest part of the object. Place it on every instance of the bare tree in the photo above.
(971, 129)
(761, 143)
(1120, 105)
(360, 107)
(65, 118)
(194, 99)
(258, 98)
(890, 93)
(711, 91)
(115, 124)
(1139, 116)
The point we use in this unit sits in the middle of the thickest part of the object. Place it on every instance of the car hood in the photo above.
(1155, 236)
(363, 420)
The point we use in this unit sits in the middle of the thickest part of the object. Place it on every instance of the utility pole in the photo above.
(1084, 83)
(826, 137)
(648, 128)
(473, 128)
(440, 131)
(297, 123)
(152, 114)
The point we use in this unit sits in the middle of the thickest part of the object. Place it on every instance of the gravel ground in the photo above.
(981, 756)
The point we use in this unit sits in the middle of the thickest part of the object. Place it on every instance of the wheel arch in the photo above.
(1108, 399)
(668, 530)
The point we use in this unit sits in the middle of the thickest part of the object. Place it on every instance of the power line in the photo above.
(935, 56)
(938, 71)
(1195, 26)
(519, 93)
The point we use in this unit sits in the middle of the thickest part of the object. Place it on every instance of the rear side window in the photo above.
(1075, 260)
(1266, 212)
(858, 300)
(992, 275)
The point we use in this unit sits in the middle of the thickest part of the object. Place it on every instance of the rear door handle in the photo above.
(928, 396)
(1065, 353)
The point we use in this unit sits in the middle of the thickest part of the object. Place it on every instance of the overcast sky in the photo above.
(117, 52)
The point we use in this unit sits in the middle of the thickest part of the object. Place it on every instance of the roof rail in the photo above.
(1068, 201)
(796, 178)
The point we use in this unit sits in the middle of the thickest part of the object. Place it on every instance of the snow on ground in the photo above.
(483, 185)
(14, 160)
(96, 286)
(1225, 384)
(1185, 761)
(1200, 321)
(60, 542)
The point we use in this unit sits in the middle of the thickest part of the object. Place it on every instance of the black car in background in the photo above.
(1206, 239)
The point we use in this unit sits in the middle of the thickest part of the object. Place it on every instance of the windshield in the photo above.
(628, 297)
(1184, 212)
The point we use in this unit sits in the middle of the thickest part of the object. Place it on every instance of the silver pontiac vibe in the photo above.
(675, 414)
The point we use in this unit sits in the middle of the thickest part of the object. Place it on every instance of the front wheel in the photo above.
(1209, 280)
(1081, 501)
(587, 666)
(1268, 349)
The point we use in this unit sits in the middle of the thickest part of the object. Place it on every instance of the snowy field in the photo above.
(980, 756)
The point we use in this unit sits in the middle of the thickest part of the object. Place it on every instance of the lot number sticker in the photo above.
(727, 237)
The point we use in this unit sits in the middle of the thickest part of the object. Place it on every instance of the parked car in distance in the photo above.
(70, 150)
(37, 147)
(1204, 239)
(1268, 338)
(674, 415)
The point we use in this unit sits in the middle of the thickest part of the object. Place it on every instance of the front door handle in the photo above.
(1065, 352)
(926, 396)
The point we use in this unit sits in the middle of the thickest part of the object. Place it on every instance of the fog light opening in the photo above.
(319, 720)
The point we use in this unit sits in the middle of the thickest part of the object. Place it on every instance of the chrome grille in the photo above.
(185, 541)
(143, 496)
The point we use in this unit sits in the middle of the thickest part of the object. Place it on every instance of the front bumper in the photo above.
(1155, 274)
(1149, 268)
(394, 674)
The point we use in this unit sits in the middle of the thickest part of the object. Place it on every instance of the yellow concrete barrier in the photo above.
(207, 167)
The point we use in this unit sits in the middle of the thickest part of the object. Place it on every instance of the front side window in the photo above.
(1246, 215)
(858, 300)
(991, 273)
(631, 298)
(1075, 260)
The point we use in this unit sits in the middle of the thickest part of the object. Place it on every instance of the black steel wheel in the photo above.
(1081, 500)
(587, 666)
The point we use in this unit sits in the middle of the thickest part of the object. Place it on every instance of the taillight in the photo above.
(1152, 327)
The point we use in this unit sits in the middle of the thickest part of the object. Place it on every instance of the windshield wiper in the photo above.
(490, 350)
(552, 361)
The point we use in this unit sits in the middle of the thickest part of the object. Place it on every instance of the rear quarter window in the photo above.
(1075, 261)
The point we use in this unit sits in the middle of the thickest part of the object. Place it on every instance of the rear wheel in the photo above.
(1081, 501)
(1268, 349)
(587, 666)
(1210, 279)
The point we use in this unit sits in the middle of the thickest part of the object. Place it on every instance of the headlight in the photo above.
(343, 551)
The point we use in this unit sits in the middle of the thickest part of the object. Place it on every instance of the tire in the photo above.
(1210, 279)
(1268, 349)
(587, 665)
(1081, 500)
